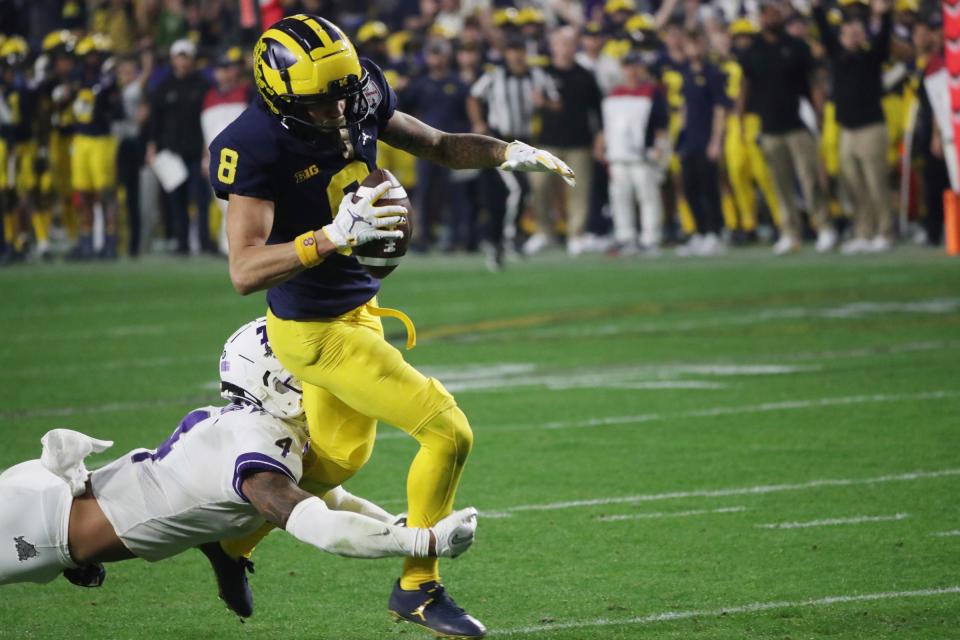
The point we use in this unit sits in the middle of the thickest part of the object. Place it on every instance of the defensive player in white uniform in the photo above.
(222, 473)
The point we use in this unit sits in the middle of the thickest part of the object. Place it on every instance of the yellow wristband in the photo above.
(307, 250)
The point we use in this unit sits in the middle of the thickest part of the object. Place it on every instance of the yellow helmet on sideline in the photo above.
(58, 41)
(14, 51)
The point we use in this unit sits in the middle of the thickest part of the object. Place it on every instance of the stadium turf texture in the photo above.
(743, 447)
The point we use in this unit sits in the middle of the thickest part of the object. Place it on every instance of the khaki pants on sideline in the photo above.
(795, 154)
(863, 170)
(545, 185)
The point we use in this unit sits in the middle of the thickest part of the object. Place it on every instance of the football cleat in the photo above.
(89, 576)
(231, 579)
(431, 607)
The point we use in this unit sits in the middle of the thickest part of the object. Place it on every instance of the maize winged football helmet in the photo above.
(94, 43)
(305, 60)
(742, 27)
(14, 51)
(373, 30)
(61, 41)
(250, 372)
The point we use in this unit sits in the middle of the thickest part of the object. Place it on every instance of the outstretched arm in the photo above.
(469, 150)
(308, 519)
(453, 150)
(339, 499)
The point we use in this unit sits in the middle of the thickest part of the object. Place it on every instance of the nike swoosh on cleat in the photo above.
(385, 532)
(456, 540)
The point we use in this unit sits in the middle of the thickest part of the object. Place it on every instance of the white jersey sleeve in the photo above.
(271, 446)
(189, 489)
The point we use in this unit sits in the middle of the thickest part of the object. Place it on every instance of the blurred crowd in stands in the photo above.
(694, 126)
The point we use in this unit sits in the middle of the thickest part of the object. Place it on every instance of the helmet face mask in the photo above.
(352, 90)
(251, 373)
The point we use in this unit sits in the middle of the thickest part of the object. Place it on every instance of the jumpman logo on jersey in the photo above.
(364, 138)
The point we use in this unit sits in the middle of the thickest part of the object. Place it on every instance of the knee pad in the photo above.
(448, 432)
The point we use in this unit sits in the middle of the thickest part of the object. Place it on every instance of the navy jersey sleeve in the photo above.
(240, 164)
(659, 112)
(718, 87)
(380, 91)
(745, 59)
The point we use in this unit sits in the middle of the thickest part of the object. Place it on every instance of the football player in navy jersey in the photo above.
(286, 167)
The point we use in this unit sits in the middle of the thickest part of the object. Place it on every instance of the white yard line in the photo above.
(761, 315)
(669, 514)
(790, 405)
(109, 407)
(946, 534)
(787, 405)
(722, 493)
(107, 332)
(755, 607)
(110, 365)
(833, 521)
(710, 412)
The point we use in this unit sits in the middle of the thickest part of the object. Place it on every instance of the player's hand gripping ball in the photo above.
(373, 223)
(381, 256)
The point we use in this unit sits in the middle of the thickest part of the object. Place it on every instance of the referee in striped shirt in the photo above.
(503, 102)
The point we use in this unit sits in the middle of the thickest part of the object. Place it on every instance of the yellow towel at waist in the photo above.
(386, 312)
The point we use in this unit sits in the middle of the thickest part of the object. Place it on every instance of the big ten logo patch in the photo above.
(306, 174)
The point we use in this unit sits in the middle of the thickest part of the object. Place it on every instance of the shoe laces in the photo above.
(441, 597)
(246, 565)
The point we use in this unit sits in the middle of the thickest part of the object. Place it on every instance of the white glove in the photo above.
(455, 533)
(523, 157)
(361, 222)
(63, 454)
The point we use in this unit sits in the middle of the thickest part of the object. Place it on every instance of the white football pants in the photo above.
(633, 186)
(34, 524)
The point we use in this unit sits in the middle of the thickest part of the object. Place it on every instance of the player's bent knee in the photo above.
(448, 432)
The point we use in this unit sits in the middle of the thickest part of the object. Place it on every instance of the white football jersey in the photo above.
(188, 491)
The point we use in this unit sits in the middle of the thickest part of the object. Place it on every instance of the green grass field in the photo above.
(658, 445)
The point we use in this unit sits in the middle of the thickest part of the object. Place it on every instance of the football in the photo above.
(381, 257)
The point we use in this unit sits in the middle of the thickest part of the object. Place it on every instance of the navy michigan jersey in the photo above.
(256, 156)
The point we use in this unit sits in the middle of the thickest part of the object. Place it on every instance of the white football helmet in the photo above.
(250, 372)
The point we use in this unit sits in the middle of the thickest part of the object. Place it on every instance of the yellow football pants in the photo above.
(352, 378)
(747, 167)
(675, 182)
(93, 163)
(895, 116)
